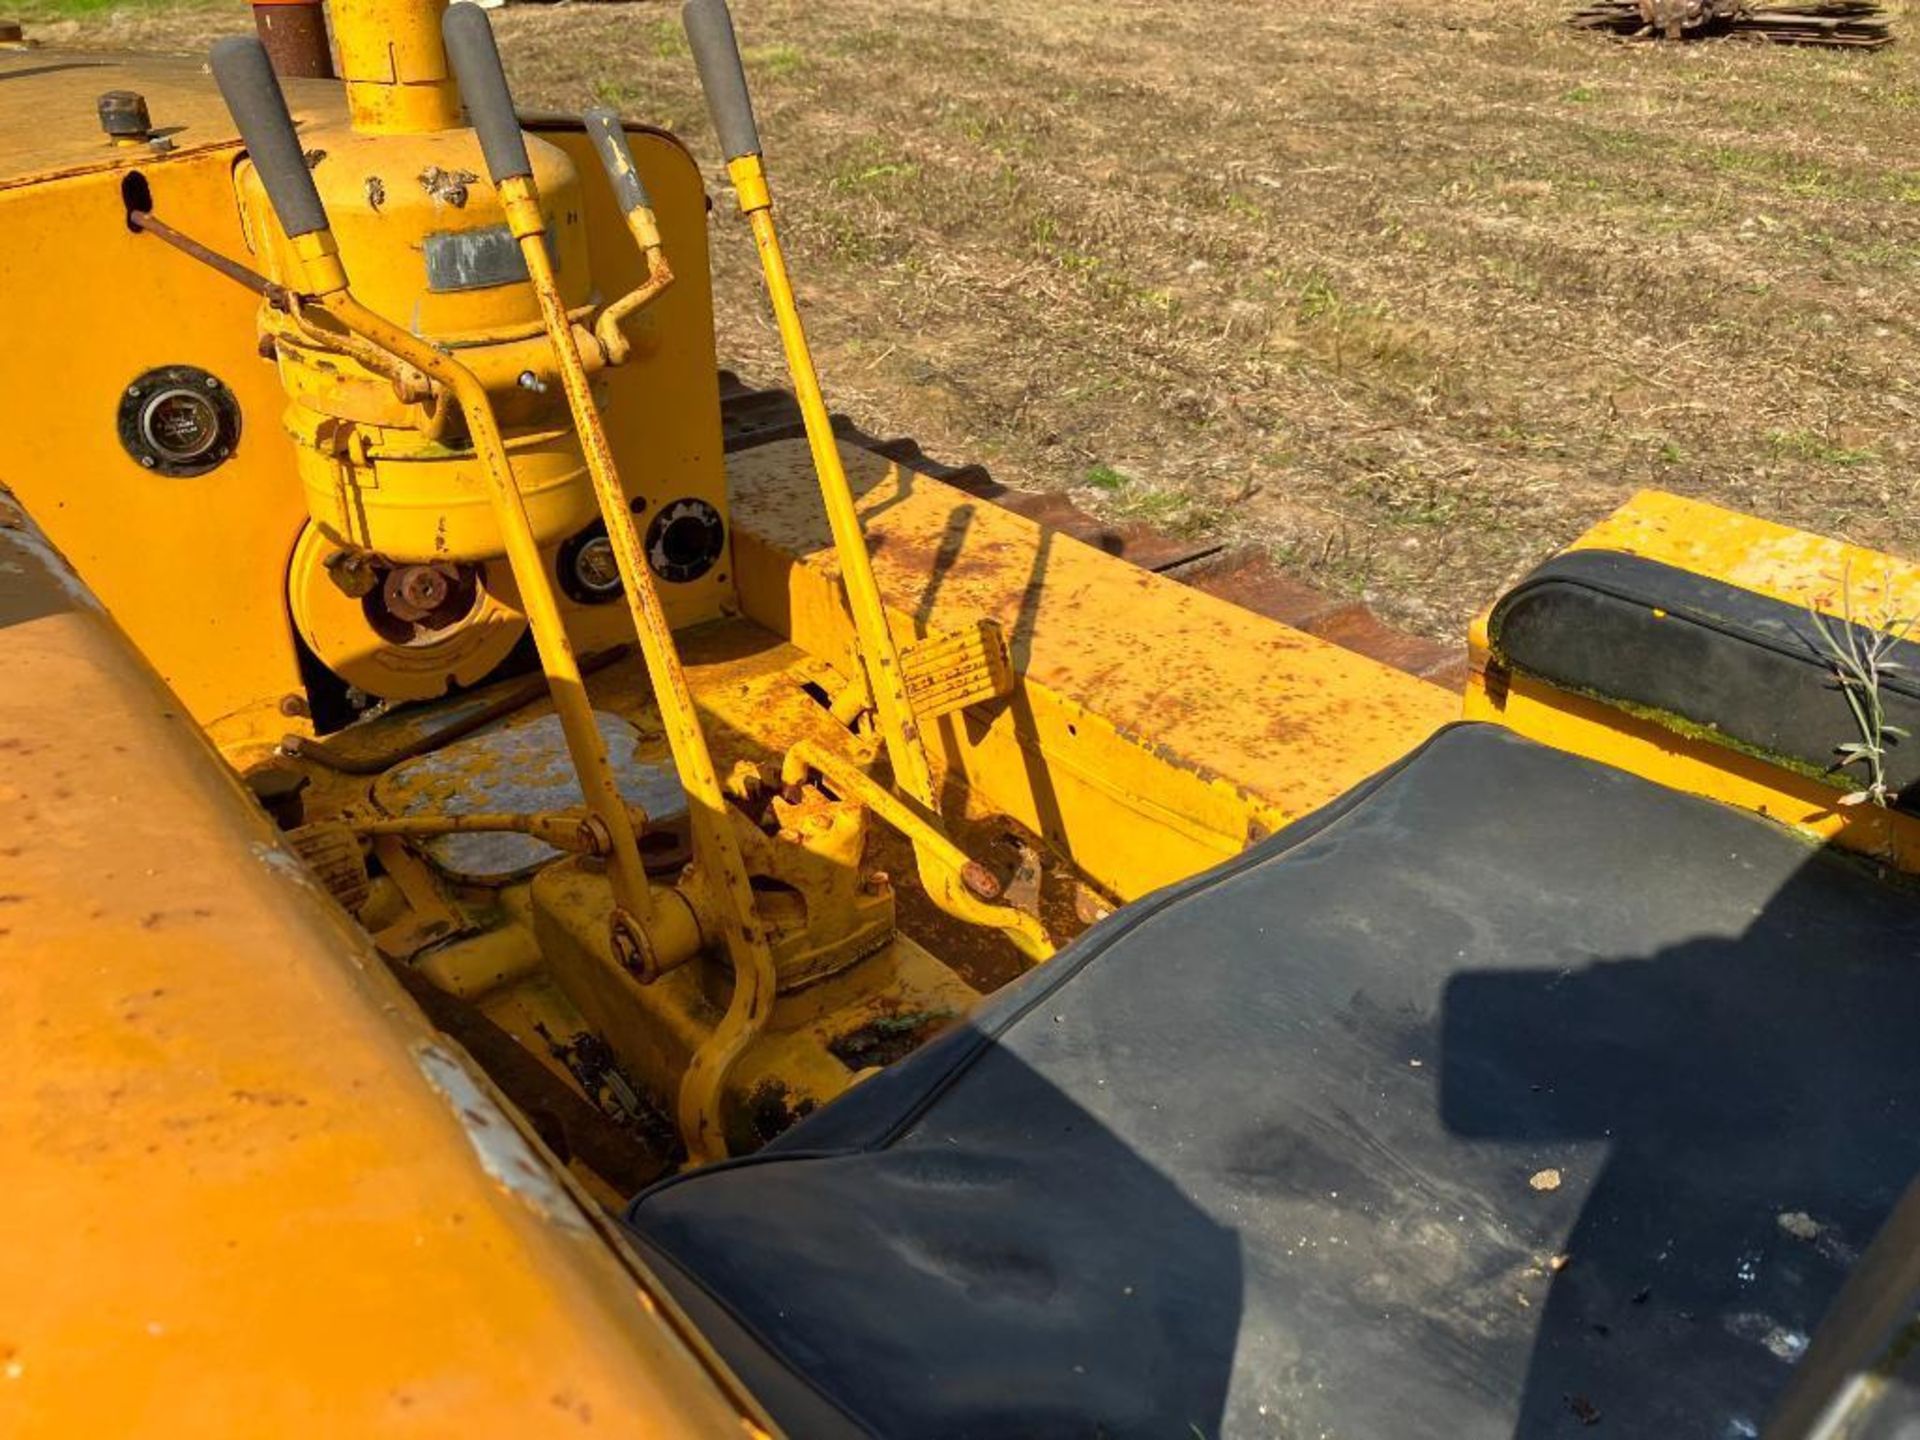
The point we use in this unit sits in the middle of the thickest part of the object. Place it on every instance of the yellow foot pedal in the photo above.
(951, 671)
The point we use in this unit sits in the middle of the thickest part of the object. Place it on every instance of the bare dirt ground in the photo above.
(1409, 291)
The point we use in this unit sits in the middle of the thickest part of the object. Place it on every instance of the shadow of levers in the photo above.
(1755, 1100)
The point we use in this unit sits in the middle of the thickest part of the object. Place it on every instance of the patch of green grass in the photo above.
(1809, 180)
(870, 42)
(779, 61)
(1170, 510)
(667, 39)
(1817, 449)
(1617, 144)
(1364, 340)
(617, 93)
(1511, 436)
(1582, 95)
(1319, 300)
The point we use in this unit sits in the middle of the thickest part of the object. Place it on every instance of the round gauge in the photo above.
(178, 420)
(588, 570)
(685, 540)
(180, 424)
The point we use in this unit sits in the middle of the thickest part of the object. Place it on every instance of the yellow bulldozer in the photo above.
(531, 906)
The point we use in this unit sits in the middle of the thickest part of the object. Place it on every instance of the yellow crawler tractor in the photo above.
(526, 911)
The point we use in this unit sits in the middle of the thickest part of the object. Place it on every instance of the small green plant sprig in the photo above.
(1860, 666)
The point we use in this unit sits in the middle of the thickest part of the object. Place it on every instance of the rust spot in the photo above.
(980, 880)
(273, 1099)
(772, 1110)
(154, 919)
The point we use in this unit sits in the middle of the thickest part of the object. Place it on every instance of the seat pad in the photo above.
(1506, 1096)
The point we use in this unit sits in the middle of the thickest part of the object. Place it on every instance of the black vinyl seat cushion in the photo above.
(1726, 662)
(1507, 1096)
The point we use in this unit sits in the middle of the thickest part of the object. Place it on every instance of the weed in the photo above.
(1319, 300)
(1858, 654)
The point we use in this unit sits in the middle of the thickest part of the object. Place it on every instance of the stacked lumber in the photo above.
(1858, 24)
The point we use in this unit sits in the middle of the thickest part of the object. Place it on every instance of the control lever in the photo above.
(616, 157)
(716, 54)
(719, 866)
(247, 82)
(954, 883)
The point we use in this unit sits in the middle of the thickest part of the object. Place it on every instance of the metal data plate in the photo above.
(518, 769)
(476, 259)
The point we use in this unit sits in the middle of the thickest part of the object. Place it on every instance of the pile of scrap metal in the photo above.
(1854, 23)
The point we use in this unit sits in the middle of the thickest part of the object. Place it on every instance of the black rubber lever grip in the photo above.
(610, 139)
(248, 85)
(716, 54)
(483, 85)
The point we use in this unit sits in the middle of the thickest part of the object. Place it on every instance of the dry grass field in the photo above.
(1407, 290)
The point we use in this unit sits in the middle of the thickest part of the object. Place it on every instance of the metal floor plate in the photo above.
(518, 769)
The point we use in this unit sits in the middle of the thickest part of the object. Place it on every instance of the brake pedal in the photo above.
(957, 668)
